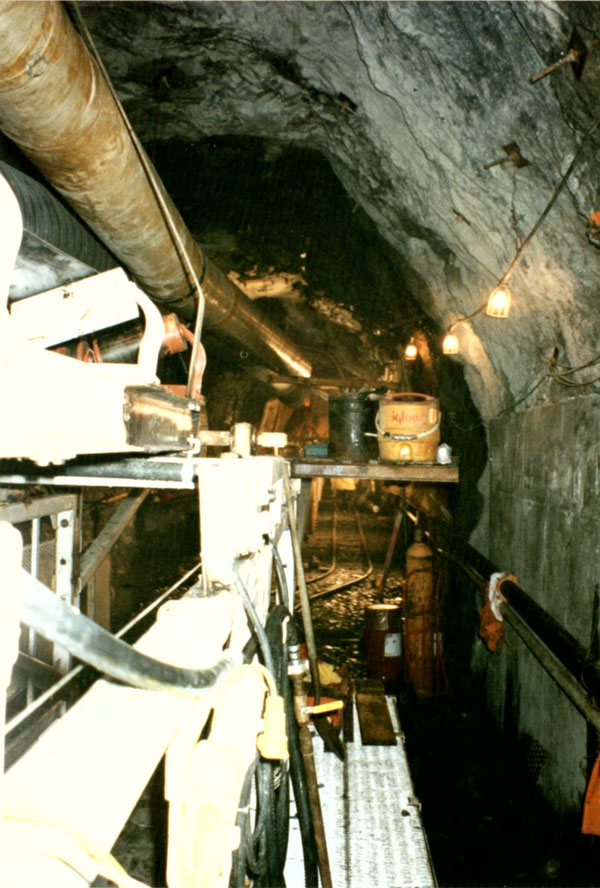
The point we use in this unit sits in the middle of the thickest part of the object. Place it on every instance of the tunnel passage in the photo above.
(410, 106)
(278, 219)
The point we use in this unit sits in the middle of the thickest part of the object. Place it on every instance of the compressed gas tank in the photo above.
(383, 641)
(420, 619)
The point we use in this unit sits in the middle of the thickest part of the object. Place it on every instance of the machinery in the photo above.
(207, 685)
(191, 664)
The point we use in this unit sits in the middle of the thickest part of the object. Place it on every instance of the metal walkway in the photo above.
(373, 823)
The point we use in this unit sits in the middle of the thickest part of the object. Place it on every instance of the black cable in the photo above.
(238, 866)
(256, 624)
(296, 763)
(263, 852)
(61, 623)
(280, 808)
(282, 585)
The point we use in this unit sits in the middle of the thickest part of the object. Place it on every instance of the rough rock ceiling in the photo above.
(407, 101)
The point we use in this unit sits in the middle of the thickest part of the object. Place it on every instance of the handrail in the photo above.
(565, 659)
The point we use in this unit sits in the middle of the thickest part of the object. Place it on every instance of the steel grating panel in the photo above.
(372, 819)
(332, 786)
(46, 562)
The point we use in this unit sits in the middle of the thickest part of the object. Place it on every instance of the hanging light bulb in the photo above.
(450, 344)
(410, 352)
(499, 302)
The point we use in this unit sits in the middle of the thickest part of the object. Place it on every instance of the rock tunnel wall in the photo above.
(544, 526)
(408, 101)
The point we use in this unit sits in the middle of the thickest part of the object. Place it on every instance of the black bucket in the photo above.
(350, 416)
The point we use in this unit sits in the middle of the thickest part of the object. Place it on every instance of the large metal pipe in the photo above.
(566, 660)
(574, 655)
(56, 105)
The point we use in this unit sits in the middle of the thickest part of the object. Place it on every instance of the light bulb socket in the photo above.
(411, 351)
(499, 301)
(450, 344)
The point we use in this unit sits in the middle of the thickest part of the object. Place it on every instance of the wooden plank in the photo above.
(376, 727)
(375, 471)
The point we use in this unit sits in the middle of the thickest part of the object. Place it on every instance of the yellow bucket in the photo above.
(408, 427)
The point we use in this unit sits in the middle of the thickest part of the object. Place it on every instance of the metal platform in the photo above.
(373, 824)
(374, 470)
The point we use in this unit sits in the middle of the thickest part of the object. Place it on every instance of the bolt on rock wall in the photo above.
(409, 101)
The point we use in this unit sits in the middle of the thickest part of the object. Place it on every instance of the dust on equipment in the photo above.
(408, 427)
(422, 647)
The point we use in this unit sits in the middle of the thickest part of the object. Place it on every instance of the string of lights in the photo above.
(499, 301)
(558, 372)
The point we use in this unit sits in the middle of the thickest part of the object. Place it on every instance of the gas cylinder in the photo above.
(420, 618)
(383, 642)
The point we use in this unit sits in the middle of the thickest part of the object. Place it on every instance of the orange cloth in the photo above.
(591, 805)
(491, 630)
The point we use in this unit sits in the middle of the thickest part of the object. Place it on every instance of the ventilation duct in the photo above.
(55, 104)
(56, 248)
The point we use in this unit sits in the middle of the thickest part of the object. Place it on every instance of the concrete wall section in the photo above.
(544, 526)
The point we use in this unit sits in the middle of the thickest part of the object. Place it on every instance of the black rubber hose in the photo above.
(281, 807)
(296, 763)
(64, 625)
(298, 777)
(239, 861)
(256, 849)
(256, 624)
(282, 585)
(296, 769)
(52, 223)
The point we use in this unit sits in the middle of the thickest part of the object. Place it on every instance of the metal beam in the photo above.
(374, 471)
(37, 508)
(109, 535)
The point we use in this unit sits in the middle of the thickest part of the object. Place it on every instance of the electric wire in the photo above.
(63, 624)
(527, 240)
(256, 624)
(273, 805)
(70, 676)
(263, 848)
(282, 586)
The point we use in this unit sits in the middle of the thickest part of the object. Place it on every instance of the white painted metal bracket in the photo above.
(55, 407)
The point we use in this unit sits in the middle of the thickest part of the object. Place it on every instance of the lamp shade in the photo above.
(410, 352)
(499, 302)
(450, 344)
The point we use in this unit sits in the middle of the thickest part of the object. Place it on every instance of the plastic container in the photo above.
(408, 427)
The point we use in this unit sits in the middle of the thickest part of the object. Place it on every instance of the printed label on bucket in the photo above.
(393, 644)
